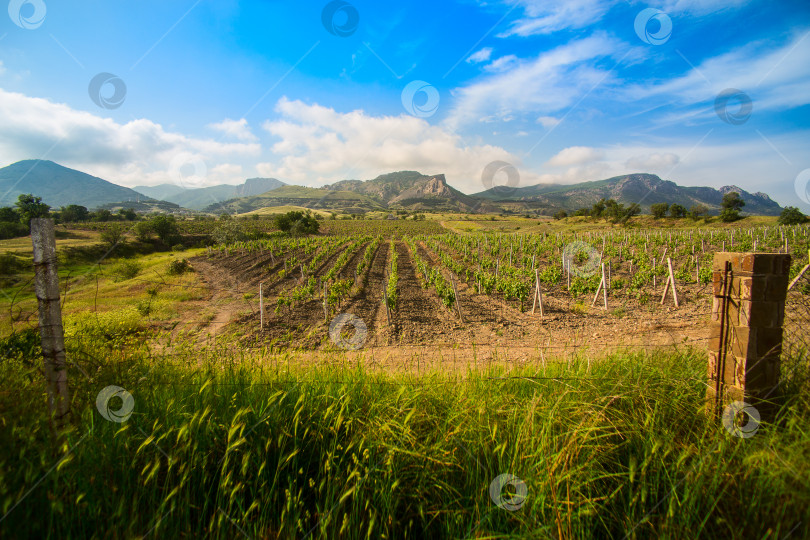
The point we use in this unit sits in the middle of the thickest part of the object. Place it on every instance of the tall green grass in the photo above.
(222, 444)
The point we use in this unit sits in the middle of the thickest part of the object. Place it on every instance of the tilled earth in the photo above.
(488, 326)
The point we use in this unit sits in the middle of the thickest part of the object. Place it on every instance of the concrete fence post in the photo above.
(52, 334)
(745, 339)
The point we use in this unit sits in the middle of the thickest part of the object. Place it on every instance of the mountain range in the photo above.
(199, 198)
(60, 186)
(410, 190)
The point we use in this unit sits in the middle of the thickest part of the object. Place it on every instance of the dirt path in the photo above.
(368, 303)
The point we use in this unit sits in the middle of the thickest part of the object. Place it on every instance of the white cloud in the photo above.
(136, 153)
(653, 162)
(318, 145)
(576, 155)
(545, 84)
(480, 56)
(237, 129)
(548, 121)
(502, 64)
(775, 77)
(547, 16)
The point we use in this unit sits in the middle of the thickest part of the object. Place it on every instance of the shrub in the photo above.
(12, 230)
(791, 216)
(125, 270)
(180, 266)
(297, 223)
(143, 231)
(114, 234)
(659, 210)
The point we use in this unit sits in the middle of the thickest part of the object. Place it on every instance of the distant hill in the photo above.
(405, 189)
(645, 189)
(200, 198)
(60, 186)
(316, 198)
(411, 190)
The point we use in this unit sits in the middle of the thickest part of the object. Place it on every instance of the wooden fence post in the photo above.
(50, 320)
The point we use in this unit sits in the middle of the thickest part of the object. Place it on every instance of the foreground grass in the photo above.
(223, 443)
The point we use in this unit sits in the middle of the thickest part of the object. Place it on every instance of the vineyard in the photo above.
(417, 288)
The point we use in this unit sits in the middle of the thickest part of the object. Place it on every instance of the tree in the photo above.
(732, 203)
(659, 210)
(583, 212)
(143, 231)
(9, 215)
(165, 227)
(297, 223)
(598, 208)
(30, 207)
(114, 234)
(677, 211)
(103, 215)
(698, 211)
(561, 214)
(73, 213)
(128, 214)
(791, 216)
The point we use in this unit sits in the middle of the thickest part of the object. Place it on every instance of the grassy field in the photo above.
(222, 443)
(226, 440)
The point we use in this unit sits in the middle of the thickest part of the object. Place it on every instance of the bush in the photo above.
(178, 247)
(180, 266)
(791, 216)
(677, 211)
(561, 214)
(12, 230)
(297, 223)
(659, 210)
(114, 234)
(125, 270)
(143, 231)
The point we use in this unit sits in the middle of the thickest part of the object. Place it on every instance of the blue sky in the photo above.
(566, 91)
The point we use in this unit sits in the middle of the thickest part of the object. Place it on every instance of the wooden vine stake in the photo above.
(601, 288)
(261, 307)
(538, 293)
(800, 274)
(670, 281)
(455, 295)
(385, 299)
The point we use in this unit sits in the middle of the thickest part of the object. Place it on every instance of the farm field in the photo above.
(447, 379)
